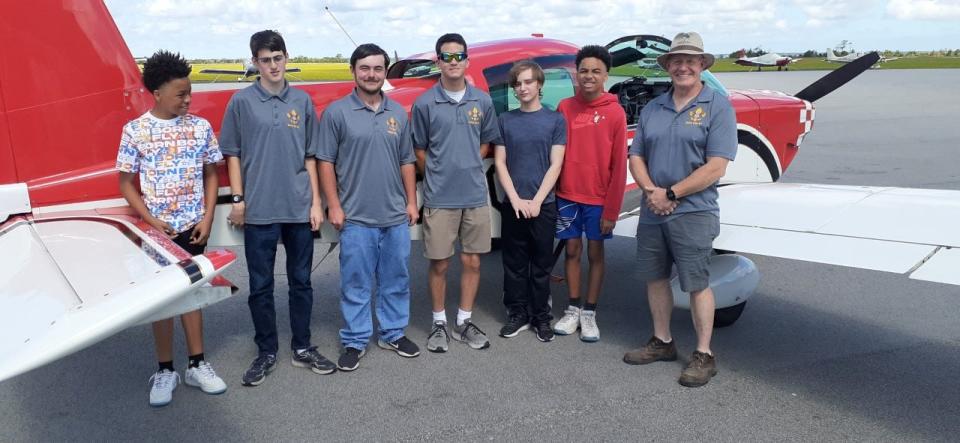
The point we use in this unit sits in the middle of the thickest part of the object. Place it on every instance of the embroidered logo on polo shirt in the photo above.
(696, 116)
(474, 116)
(393, 126)
(293, 119)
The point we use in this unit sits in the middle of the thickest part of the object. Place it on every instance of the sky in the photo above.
(222, 28)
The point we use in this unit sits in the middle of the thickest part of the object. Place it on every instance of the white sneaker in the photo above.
(569, 323)
(589, 331)
(205, 378)
(162, 385)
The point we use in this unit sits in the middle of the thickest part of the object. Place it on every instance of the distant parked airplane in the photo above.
(249, 69)
(766, 60)
(834, 58)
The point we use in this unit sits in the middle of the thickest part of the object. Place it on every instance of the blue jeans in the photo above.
(368, 255)
(261, 253)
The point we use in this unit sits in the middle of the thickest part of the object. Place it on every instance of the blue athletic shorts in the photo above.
(575, 219)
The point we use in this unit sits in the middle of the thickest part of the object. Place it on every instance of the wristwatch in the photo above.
(670, 195)
(236, 198)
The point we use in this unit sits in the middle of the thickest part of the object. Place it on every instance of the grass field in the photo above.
(313, 72)
(818, 64)
(310, 72)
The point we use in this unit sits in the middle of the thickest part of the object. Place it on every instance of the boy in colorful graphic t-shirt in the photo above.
(175, 155)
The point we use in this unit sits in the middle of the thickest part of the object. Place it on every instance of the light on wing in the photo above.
(886, 229)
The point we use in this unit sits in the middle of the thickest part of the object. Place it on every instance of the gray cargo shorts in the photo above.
(687, 241)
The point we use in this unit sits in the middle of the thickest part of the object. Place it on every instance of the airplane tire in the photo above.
(724, 317)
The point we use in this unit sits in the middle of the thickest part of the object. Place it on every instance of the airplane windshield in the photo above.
(636, 56)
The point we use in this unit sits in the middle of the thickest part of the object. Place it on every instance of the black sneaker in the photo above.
(516, 324)
(543, 330)
(402, 346)
(350, 359)
(313, 360)
(259, 369)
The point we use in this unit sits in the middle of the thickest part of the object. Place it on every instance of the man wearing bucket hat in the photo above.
(684, 140)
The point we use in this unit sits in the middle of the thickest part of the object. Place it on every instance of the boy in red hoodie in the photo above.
(591, 184)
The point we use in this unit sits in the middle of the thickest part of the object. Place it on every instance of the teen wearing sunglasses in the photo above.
(453, 127)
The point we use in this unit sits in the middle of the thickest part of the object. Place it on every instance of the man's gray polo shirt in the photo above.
(367, 148)
(451, 134)
(675, 143)
(272, 135)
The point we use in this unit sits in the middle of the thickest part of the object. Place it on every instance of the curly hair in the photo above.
(595, 51)
(162, 67)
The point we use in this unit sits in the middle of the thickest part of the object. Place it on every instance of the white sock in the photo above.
(440, 316)
(463, 316)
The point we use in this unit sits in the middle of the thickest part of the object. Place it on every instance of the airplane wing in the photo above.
(70, 281)
(224, 71)
(907, 231)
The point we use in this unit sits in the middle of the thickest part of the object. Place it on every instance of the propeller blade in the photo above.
(838, 78)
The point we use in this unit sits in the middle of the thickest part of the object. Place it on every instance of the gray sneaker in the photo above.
(438, 340)
(470, 334)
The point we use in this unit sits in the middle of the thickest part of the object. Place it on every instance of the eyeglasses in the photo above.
(451, 56)
(266, 60)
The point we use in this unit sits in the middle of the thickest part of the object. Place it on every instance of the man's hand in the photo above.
(236, 216)
(201, 232)
(412, 214)
(316, 217)
(606, 226)
(519, 209)
(658, 202)
(161, 226)
(337, 217)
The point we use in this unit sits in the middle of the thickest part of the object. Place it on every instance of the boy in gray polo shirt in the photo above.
(453, 126)
(367, 174)
(268, 136)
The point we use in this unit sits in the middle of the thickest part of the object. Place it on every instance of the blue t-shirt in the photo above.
(674, 143)
(528, 138)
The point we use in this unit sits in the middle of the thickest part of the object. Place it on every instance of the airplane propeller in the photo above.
(838, 78)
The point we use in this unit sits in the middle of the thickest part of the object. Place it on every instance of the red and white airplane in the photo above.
(77, 266)
(769, 60)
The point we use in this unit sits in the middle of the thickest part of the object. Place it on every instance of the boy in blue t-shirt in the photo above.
(175, 155)
(528, 164)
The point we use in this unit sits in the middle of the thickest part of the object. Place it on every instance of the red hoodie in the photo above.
(595, 162)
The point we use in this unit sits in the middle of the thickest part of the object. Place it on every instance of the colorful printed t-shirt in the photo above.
(169, 155)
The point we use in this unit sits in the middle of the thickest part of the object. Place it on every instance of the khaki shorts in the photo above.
(442, 227)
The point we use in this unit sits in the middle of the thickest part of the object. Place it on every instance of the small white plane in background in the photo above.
(768, 60)
(834, 58)
(248, 70)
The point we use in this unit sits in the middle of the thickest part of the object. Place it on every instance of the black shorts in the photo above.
(183, 240)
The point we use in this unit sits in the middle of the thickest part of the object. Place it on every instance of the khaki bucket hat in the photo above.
(686, 43)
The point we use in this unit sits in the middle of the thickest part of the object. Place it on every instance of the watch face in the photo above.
(237, 198)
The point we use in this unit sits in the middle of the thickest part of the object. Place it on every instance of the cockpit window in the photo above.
(558, 82)
(413, 68)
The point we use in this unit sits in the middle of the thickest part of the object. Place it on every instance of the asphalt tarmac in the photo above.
(822, 353)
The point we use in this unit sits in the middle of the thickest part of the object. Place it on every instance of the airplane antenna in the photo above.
(340, 26)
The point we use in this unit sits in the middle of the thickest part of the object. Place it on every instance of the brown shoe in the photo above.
(655, 350)
(699, 371)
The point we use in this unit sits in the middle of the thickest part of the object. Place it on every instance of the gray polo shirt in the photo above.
(674, 143)
(451, 134)
(367, 148)
(272, 135)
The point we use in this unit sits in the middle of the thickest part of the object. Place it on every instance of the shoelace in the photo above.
(162, 380)
(699, 360)
(589, 320)
(261, 363)
(470, 327)
(205, 370)
(438, 330)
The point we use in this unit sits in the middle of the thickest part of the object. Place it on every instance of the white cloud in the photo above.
(924, 9)
(821, 13)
